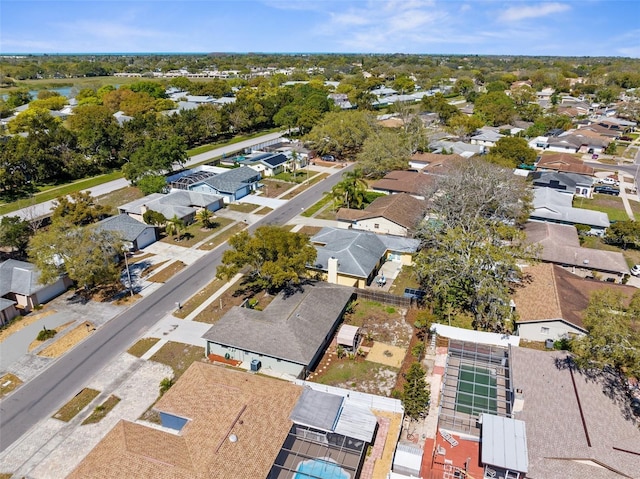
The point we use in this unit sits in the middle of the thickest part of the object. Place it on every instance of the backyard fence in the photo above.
(385, 298)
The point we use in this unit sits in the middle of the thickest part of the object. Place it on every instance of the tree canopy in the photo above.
(613, 338)
(275, 257)
(511, 152)
(416, 394)
(471, 243)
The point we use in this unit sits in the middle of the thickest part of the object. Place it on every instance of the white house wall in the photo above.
(278, 365)
(543, 330)
(147, 237)
(52, 291)
(384, 226)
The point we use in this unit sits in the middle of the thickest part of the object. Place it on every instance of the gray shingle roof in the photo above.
(560, 180)
(128, 227)
(357, 252)
(19, 277)
(556, 206)
(232, 180)
(292, 328)
(179, 203)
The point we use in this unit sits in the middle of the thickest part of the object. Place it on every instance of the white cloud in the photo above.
(514, 14)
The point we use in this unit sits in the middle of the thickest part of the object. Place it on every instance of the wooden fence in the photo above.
(385, 298)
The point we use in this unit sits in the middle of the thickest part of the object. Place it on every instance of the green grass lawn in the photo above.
(351, 372)
(611, 205)
(242, 207)
(405, 279)
(52, 192)
(194, 233)
(313, 209)
(298, 177)
(142, 346)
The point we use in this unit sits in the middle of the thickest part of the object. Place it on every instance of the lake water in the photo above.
(64, 91)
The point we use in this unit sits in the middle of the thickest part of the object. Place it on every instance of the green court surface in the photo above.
(476, 392)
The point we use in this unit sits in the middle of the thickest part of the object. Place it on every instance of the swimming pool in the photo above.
(320, 468)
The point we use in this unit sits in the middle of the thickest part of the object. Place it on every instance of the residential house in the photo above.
(267, 164)
(353, 258)
(134, 233)
(564, 163)
(231, 185)
(340, 100)
(577, 424)
(570, 183)
(566, 296)
(553, 206)
(578, 141)
(289, 337)
(432, 163)
(410, 182)
(559, 244)
(392, 214)
(21, 289)
(181, 203)
(461, 148)
(219, 422)
(486, 137)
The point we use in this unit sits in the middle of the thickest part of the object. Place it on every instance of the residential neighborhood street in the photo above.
(38, 398)
(41, 209)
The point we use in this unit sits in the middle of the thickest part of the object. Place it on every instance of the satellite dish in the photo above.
(233, 438)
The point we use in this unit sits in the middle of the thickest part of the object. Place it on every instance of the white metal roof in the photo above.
(475, 336)
(504, 443)
(347, 334)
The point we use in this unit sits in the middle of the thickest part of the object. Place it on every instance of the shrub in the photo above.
(46, 334)
(340, 352)
(165, 385)
(418, 350)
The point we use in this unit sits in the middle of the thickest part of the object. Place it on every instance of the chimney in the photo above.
(332, 274)
(143, 209)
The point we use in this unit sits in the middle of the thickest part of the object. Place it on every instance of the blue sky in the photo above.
(515, 27)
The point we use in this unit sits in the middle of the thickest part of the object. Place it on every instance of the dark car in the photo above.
(607, 190)
(626, 138)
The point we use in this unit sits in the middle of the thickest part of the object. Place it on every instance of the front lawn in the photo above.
(611, 205)
(67, 412)
(178, 356)
(194, 233)
(242, 207)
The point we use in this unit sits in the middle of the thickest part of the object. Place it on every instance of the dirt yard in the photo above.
(385, 330)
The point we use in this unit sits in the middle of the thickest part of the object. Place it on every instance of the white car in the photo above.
(636, 270)
(608, 181)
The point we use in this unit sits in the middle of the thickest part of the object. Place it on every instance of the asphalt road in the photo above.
(43, 395)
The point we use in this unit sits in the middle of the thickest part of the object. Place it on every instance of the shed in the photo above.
(407, 460)
(349, 336)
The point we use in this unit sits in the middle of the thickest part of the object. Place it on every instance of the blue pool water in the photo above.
(318, 468)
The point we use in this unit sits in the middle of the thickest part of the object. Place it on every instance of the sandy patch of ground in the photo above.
(385, 354)
(17, 325)
(68, 341)
(8, 383)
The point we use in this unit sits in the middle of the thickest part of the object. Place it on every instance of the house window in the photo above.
(376, 226)
(544, 330)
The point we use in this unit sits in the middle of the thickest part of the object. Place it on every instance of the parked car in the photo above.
(607, 190)
(328, 158)
(626, 138)
(635, 270)
(608, 181)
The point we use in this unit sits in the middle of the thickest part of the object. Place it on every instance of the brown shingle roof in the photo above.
(409, 182)
(402, 208)
(551, 292)
(564, 162)
(217, 402)
(560, 245)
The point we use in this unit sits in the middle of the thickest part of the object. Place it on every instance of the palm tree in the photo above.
(351, 191)
(174, 226)
(205, 216)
